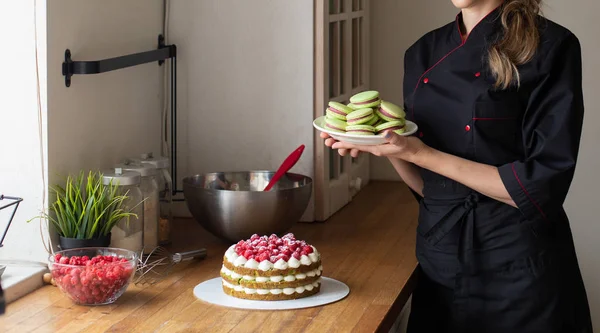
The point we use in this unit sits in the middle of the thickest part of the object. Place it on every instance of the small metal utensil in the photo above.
(158, 264)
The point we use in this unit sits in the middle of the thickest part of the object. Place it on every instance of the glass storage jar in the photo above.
(149, 188)
(165, 194)
(128, 233)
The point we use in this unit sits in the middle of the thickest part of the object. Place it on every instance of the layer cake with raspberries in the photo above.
(271, 269)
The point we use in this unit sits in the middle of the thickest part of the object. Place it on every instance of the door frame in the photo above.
(350, 174)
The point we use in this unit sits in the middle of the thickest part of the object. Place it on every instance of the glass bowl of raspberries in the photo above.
(93, 275)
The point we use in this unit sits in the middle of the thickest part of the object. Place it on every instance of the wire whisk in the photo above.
(157, 265)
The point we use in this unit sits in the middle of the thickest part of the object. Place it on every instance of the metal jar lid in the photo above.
(159, 162)
(145, 169)
(120, 177)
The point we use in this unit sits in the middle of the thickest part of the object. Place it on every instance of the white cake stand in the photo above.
(211, 291)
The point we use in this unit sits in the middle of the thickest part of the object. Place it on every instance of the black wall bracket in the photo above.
(70, 67)
(164, 52)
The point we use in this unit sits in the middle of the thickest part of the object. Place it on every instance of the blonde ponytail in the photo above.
(518, 43)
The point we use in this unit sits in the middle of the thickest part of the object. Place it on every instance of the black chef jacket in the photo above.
(486, 266)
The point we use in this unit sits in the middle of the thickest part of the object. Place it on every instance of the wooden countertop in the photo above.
(369, 245)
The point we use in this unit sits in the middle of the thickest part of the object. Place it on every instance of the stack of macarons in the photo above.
(392, 118)
(336, 116)
(366, 114)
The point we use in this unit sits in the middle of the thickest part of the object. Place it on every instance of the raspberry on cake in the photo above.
(271, 268)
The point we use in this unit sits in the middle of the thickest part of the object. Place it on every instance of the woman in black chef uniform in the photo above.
(498, 100)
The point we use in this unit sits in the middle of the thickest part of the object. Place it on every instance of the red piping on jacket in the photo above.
(428, 70)
(449, 53)
(527, 193)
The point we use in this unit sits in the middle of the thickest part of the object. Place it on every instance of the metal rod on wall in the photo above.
(174, 124)
(164, 52)
(70, 67)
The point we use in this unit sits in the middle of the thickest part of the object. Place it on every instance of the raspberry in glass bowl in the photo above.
(94, 275)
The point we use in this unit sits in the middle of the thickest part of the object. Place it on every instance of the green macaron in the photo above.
(366, 99)
(390, 112)
(397, 126)
(359, 117)
(360, 130)
(373, 121)
(337, 110)
(354, 107)
(335, 124)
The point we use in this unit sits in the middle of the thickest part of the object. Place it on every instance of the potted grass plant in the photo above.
(85, 211)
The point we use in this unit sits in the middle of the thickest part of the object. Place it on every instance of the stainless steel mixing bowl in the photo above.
(233, 205)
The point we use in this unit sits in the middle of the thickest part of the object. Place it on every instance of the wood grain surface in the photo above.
(369, 245)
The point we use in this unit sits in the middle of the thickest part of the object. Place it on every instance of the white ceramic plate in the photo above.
(331, 291)
(365, 140)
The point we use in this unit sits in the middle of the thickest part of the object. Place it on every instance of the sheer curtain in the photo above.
(23, 138)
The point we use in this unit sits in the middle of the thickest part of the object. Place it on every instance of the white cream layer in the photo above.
(287, 291)
(265, 265)
(275, 278)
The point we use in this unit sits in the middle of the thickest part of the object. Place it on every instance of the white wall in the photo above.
(21, 171)
(399, 23)
(245, 81)
(102, 118)
(579, 16)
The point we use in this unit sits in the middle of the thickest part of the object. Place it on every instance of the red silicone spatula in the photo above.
(289, 162)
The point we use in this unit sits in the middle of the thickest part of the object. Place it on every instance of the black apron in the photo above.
(485, 266)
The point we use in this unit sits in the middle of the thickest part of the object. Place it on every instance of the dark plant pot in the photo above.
(72, 243)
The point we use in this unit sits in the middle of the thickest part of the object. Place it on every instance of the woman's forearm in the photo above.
(409, 174)
(482, 178)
